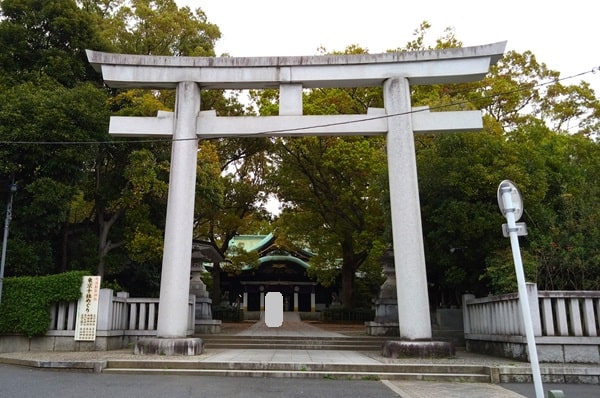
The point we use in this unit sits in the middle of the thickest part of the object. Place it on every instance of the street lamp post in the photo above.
(13, 189)
(511, 206)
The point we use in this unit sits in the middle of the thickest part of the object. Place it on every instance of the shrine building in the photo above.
(278, 269)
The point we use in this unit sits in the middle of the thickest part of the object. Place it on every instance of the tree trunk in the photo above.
(104, 244)
(64, 247)
(350, 263)
(347, 285)
(216, 279)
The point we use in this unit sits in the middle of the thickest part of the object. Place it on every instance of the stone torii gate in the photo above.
(398, 121)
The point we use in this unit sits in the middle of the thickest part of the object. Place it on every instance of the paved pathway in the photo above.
(293, 356)
(292, 326)
(425, 389)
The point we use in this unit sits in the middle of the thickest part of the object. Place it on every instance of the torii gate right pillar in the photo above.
(409, 257)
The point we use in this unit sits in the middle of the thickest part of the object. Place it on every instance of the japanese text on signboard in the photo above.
(87, 309)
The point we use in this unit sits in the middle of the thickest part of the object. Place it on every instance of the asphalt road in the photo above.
(20, 382)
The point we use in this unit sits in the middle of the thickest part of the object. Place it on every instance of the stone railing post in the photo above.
(121, 319)
(466, 312)
(192, 313)
(534, 308)
(105, 309)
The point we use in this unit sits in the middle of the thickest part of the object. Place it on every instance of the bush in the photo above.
(348, 314)
(26, 300)
(227, 314)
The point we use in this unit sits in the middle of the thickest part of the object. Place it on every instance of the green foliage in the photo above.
(333, 188)
(160, 27)
(47, 175)
(227, 314)
(93, 206)
(567, 225)
(45, 111)
(46, 37)
(332, 202)
(238, 258)
(348, 314)
(102, 206)
(24, 257)
(500, 271)
(113, 285)
(557, 175)
(26, 301)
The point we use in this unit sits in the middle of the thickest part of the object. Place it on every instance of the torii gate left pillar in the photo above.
(394, 71)
(175, 278)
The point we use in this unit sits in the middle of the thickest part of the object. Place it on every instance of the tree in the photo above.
(160, 27)
(564, 222)
(331, 202)
(458, 178)
(527, 114)
(112, 195)
(44, 37)
(37, 118)
(331, 187)
(234, 190)
(130, 208)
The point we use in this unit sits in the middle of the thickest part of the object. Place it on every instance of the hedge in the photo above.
(348, 314)
(227, 314)
(26, 301)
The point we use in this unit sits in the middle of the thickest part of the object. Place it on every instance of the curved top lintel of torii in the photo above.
(452, 65)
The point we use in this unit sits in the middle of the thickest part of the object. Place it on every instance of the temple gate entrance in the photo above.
(395, 72)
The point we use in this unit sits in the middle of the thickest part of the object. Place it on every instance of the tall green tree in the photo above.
(332, 203)
(130, 208)
(156, 27)
(37, 118)
(234, 193)
(528, 115)
(109, 196)
(564, 223)
(45, 37)
(330, 187)
(228, 183)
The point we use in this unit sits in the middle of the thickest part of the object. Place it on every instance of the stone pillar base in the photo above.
(207, 326)
(418, 349)
(169, 347)
(382, 328)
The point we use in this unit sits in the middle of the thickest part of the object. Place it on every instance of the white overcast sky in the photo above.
(562, 34)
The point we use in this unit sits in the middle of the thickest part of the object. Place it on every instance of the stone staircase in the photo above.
(453, 373)
(299, 369)
(318, 354)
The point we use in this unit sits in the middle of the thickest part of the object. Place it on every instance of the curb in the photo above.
(92, 366)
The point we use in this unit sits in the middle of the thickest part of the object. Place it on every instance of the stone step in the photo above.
(145, 363)
(291, 337)
(297, 346)
(447, 377)
(455, 373)
(293, 342)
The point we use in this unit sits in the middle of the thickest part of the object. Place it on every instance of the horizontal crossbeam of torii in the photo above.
(398, 121)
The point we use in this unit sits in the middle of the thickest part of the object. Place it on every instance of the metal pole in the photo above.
(13, 188)
(523, 298)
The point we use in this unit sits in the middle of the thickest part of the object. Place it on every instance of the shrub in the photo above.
(348, 314)
(26, 300)
(227, 314)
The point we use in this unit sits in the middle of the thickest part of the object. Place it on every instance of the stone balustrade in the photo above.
(121, 321)
(572, 314)
(566, 325)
